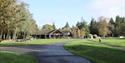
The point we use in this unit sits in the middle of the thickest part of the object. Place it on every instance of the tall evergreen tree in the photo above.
(118, 25)
(67, 25)
(93, 27)
(54, 27)
(111, 27)
(122, 29)
(66, 28)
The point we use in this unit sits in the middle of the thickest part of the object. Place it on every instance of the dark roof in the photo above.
(53, 31)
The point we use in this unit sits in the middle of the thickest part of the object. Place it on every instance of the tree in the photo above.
(111, 27)
(103, 27)
(67, 25)
(54, 27)
(84, 29)
(66, 28)
(93, 27)
(75, 32)
(46, 28)
(8, 14)
(28, 25)
(119, 26)
(122, 26)
(14, 17)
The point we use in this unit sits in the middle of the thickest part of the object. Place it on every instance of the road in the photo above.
(54, 53)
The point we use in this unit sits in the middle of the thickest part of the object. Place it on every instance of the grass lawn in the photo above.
(11, 57)
(112, 41)
(116, 42)
(98, 52)
(32, 42)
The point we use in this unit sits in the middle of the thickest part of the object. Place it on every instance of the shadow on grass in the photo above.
(98, 54)
(12, 57)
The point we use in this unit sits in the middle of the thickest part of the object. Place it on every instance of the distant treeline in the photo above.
(104, 27)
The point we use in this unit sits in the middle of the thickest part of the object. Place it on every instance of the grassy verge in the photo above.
(11, 57)
(96, 52)
(32, 42)
(117, 42)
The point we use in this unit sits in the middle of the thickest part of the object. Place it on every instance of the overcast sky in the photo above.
(62, 11)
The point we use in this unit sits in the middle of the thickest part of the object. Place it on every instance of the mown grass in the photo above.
(98, 52)
(32, 42)
(11, 57)
(115, 41)
(118, 42)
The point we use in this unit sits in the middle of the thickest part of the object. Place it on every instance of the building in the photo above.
(52, 34)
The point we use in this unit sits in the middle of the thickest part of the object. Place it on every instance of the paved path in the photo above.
(49, 54)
